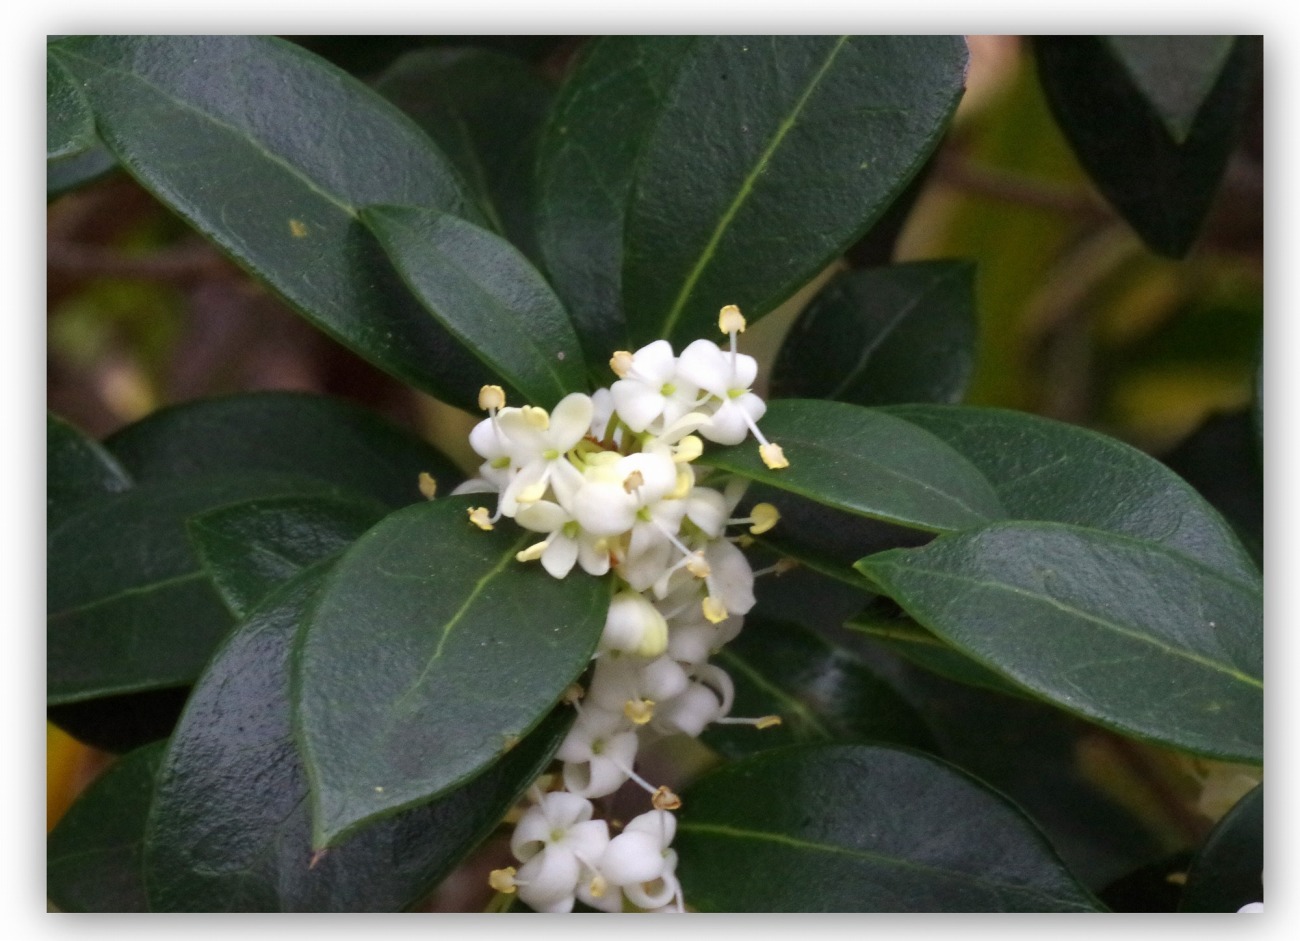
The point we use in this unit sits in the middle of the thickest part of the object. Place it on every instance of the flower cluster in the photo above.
(608, 483)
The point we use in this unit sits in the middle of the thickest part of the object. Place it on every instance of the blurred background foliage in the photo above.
(1077, 320)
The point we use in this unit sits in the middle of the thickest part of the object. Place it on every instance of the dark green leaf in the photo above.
(586, 159)
(822, 694)
(69, 124)
(270, 152)
(485, 110)
(1125, 633)
(866, 462)
(284, 432)
(770, 156)
(77, 470)
(92, 860)
(1227, 871)
(840, 828)
(892, 629)
(119, 724)
(230, 828)
(64, 176)
(1048, 470)
(487, 295)
(249, 548)
(1162, 185)
(904, 333)
(1175, 74)
(430, 652)
(129, 606)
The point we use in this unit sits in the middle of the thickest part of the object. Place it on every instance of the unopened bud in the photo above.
(773, 456)
(428, 486)
(730, 320)
(490, 397)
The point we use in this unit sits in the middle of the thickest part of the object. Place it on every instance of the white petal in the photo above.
(658, 823)
(570, 421)
(705, 365)
(552, 875)
(604, 509)
(593, 557)
(543, 516)
(474, 485)
(655, 363)
(632, 857)
(659, 892)
(637, 403)
(731, 577)
(588, 840)
(662, 679)
(727, 426)
(560, 554)
(707, 509)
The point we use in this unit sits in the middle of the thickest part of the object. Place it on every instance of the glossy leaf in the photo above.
(270, 152)
(859, 828)
(596, 131)
(284, 432)
(69, 124)
(93, 857)
(821, 692)
(70, 173)
(770, 156)
(230, 828)
(488, 296)
(903, 333)
(249, 548)
(866, 462)
(123, 723)
(1125, 633)
(888, 627)
(1227, 871)
(77, 470)
(1161, 183)
(129, 606)
(1175, 74)
(484, 109)
(1048, 470)
(401, 665)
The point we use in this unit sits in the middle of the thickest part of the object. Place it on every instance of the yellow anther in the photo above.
(767, 722)
(730, 320)
(621, 362)
(633, 481)
(697, 565)
(490, 397)
(744, 541)
(503, 880)
(573, 693)
(532, 553)
(537, 417)
(478, 515)
(533, 492)
(688, 449)
(428, 486)
(764, 517)
(685, 483)
(784, 565)
(665, 799)
(598, 886)
(773, 456)
(639, 711)
(714, 610)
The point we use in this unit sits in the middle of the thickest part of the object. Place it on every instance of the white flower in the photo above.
(539, 443)
(640, 861)
(650, 391)
(560, 846)
(727, 377)
(618, 681)
(566, 541)
(616, 487)
(597, 753)
(705, 701)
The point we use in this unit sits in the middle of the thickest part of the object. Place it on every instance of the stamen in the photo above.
(639, 711)
(714, 610)
(621, 362)
(763, 517)
(503, 880)
(428, 486)
(572, 693)
(688, 449)
(633, 776)
(771, 454)
(779, 567)
(491, 398)
(539, 418)
(762, 722)
(478, 515)
(665, 799)
(633, 481)
(532, 553)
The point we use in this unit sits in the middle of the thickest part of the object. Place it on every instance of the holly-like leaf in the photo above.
(1047, 470)
(586, 159)
(230, 828)
(487, 295)
(1126, 633)
(129, 606)
(284, 432)
(70, 173)
(1152, 120)
(822, 693)
(250, 548)
(69, 123)
(903, 333)
(93, 858)
(484, 109)
(271, 152)
(859, 828)
(866, 462)
(770, 155)
(77, 470)
(1227, 871)
(430, 652)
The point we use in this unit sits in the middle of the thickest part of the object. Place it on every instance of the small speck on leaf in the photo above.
(298, 228)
